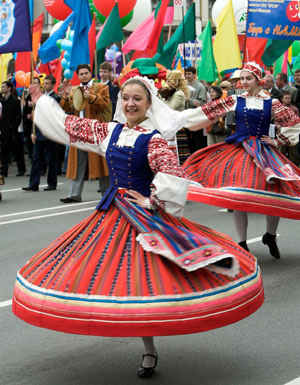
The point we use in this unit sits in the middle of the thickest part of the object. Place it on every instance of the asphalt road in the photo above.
(260, 350)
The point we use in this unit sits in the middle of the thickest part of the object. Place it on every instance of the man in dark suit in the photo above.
(11, 119)
(42, 144)
(269, 86)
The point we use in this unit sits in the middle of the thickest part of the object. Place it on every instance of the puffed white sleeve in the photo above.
(203, 116)
(56, 125)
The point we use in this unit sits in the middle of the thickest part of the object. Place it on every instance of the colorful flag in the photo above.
(81, 24)
(138, 39)
(23, 60)
(157, 29)
(49, 50)
(226, 45)
(15, 33)
(186, 31)
(207, 69)
(274, 49)
(111, 33)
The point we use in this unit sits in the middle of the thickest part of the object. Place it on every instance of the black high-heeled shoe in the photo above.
(244, 245)
(147, 372)
(270, 240)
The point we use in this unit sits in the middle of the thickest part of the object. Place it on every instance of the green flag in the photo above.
(185, 32)
(278, 67)
(207, 69)
(274, 49)
(296, 63)
(111, 33)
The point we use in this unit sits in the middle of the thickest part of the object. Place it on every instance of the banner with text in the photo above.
(274, 19)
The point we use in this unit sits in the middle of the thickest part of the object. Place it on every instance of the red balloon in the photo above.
(57, 9)
(105, 7)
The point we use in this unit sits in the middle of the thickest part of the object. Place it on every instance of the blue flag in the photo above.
(80, 53)
(49, 50)
(15, 32)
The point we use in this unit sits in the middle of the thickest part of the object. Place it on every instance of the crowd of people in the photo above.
(136, 260)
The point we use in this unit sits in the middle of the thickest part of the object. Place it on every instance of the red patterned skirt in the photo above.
(97, 279)
(247, 176)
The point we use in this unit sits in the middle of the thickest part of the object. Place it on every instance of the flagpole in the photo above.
(196, 53)
(245, 40)
(183, 35)
(96, 64)
(123, 54)
(114, 59)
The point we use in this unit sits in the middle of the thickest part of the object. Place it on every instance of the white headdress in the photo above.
(162, 117)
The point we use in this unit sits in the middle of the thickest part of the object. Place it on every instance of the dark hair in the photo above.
(140, 83)
(106, 66)
(191, 69)
(297, 71)
(218, 90)
(283, 76)
(82, 66)
(38, 79)
(51, 78)
(8, 84)
(285, 93)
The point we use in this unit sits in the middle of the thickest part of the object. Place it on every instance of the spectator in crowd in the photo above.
(11, 119)
(268, 85)
(297, 85)
(27, 120)
(98, 106)
(218, 131)
(197, 97)
(105, 71)
(18, 144)
(174, 94)
(290, 151)
(40, 145)
(281, 81)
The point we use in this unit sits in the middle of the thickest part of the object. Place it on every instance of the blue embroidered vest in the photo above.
(250, 122)
(128, 166)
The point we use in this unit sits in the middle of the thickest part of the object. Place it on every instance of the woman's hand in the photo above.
(267, 140)
(138, 199)
(35, 93)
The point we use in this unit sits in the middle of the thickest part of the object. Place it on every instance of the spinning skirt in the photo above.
(97, 279)
(247, 176)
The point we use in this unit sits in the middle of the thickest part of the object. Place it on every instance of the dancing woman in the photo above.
(247, 172)
(133, 268)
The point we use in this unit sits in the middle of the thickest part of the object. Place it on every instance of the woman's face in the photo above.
(249, 82)
(134, 104)
(213, 94)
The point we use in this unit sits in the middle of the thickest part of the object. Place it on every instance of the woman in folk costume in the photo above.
(135, 267)
(247, 172)
(174, 94)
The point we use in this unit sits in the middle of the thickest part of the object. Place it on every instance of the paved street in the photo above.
(263, 349)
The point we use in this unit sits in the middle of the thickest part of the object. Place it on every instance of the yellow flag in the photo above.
(4, 60)
(226, 45)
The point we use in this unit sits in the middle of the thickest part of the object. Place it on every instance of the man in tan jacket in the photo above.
(98, 107)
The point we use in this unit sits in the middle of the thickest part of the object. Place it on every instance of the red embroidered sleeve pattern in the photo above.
(85, 130)
(284, 116)
(218, 108)
(162, 159)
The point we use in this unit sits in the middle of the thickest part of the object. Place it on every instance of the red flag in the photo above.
(58, 74)
(23, 60)
(255, 47)
(152, 43)
(37, 35)
(92, 41)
